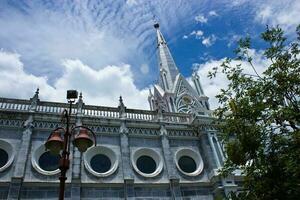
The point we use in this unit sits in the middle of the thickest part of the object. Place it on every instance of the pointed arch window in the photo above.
(172, 105)
(165, 80)
(152, 104)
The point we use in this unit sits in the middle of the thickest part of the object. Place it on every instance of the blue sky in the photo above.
(106, 48)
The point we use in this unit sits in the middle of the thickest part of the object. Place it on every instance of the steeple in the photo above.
(167, 66)
(174, 93)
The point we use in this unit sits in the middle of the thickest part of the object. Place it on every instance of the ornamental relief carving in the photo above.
(11, 123)
(187, 104)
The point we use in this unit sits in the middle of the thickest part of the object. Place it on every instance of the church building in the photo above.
(171, 151)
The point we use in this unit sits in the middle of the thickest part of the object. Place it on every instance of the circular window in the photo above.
(189, 162)
(44, 162)
(147, 162)
(6, 155)
(3, 157)
(49, 162)
(101, 161)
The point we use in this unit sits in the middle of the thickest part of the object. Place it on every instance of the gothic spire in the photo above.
(167, 66)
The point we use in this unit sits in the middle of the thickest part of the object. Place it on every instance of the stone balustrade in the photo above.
(18, 105)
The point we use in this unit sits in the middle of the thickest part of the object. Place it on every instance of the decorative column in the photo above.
(22, 155)
(195, 78)
(151, 100)
(125, 153)
(170, 165)
(77, 157)
(218, 162)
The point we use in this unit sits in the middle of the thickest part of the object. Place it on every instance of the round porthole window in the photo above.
(189, 162)
(147, 162)
(44, 162)
(101, 161)
(3, 157)
(6, 155)
(49, 162)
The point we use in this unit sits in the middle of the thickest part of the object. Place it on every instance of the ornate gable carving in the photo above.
(185, 99)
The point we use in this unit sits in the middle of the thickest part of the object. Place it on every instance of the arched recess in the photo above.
(165, 81)
(172, 105)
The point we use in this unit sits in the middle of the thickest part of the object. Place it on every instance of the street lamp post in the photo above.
(58, 145)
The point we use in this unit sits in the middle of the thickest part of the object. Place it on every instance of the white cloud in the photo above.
(208, 41)
(198, 34)
(99, 87)
(131, 2)
(98, 34)
(281, 12)
(144, 68)
(212, 87)
(238, 2)
(213, 13)
(44, 39)
(201, 19)
(185, 37)
(233, 39)
(14, 82)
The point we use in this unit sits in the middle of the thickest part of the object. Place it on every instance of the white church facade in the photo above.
(171, 151)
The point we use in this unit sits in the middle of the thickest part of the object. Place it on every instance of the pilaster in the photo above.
(129, 190)
(125, 153)
(175, 189)
(169, 162)
(22, 155)
(125, 159)
(77, 157)
(15, 188)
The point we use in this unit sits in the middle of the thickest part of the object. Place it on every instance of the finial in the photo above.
(122, 108)
(34, 100)
(80, 99)
(121, 104)
(194, 73)
(156, 24)
(79, 105)
(195, 69)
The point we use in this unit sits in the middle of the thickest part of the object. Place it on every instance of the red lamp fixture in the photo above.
(55, 143)
(82, 141)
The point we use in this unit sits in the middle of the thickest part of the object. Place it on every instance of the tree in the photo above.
(259, 118)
